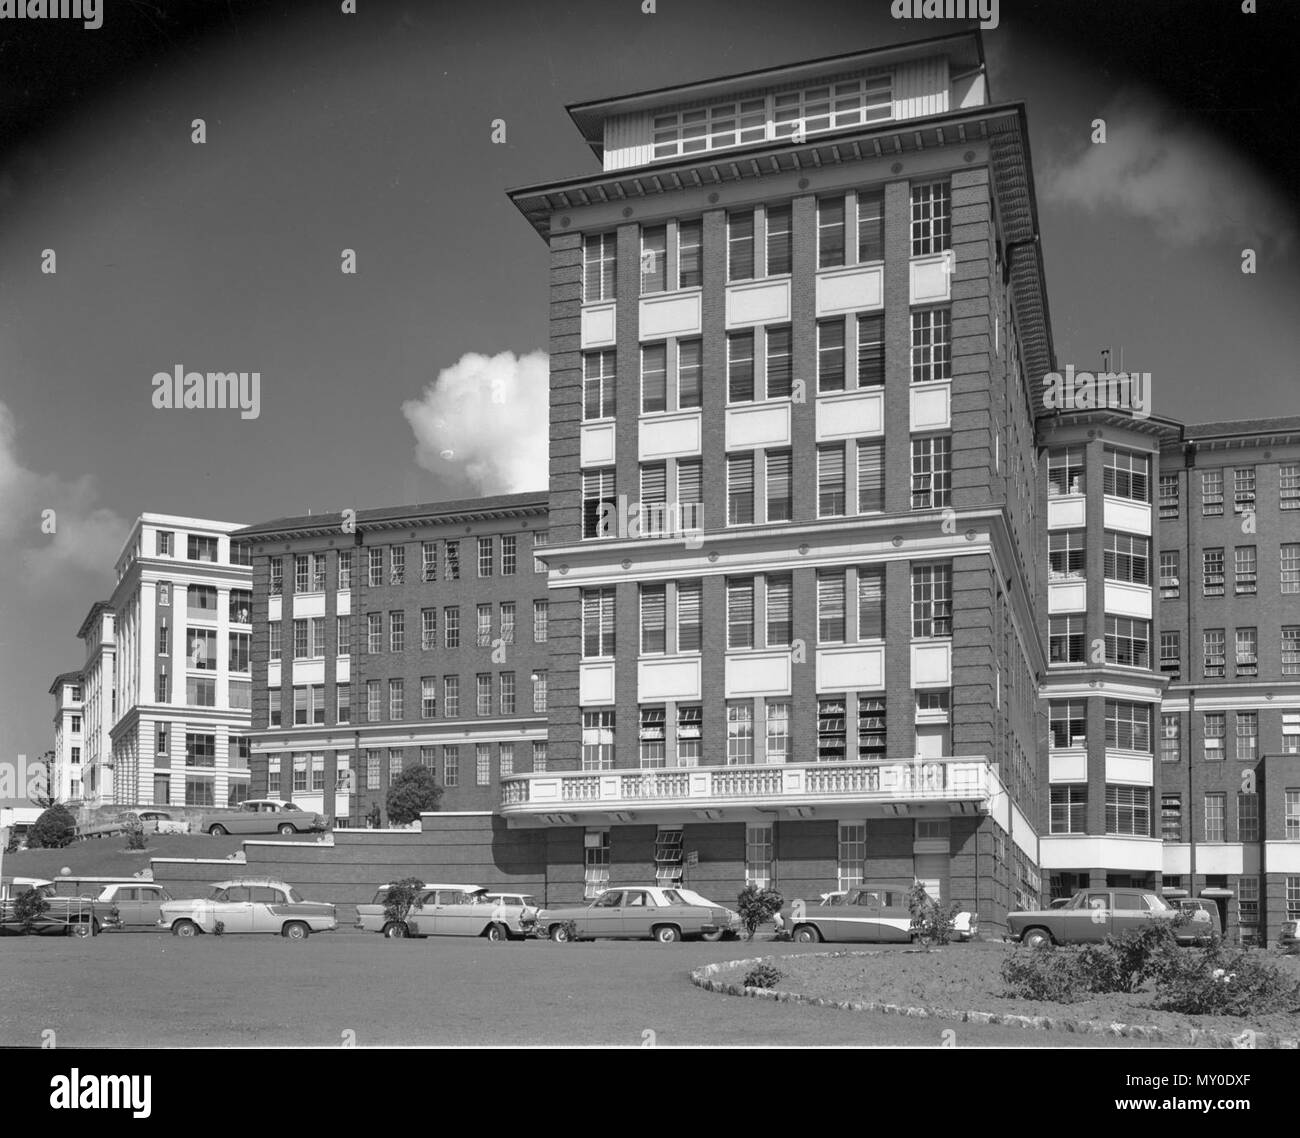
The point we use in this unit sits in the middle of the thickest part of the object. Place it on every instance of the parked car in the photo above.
(864, 913)
(636, 913)
(734, 926)
(151, 821)
(249, 905)
(468, 910)
(1290, 939)
(372, 918)
(263, 816)
(1194, 905)
(138, 904)
(1094, 914)
(64, 916)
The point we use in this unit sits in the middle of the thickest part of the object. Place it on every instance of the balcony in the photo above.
(962, 785)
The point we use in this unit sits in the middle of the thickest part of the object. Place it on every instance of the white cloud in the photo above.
(485, 419)
(1162, 169)
(85, 538)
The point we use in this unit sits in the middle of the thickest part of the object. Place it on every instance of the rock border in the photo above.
(705, 978)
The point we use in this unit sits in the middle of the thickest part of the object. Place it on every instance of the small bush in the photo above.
(1049, 974)
(134, 830)
(1141, 955)
(570, 931)
(931, 922)
(29, 906)
(54, 829)
(401, 897)
(756, 905)
(763, 976)
(1235, 982)
(219, 928)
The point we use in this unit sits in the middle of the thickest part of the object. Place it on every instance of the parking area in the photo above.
(156, 990)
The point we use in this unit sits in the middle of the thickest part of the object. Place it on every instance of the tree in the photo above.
(54, 829)
(399, 900)
(756, 905)
(931, 922)
(412, 793)
(45, 799)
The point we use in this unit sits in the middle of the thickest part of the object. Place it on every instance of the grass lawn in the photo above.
(109, 857)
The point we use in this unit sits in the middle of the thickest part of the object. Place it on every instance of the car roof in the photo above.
(444, 885)
(275, 881)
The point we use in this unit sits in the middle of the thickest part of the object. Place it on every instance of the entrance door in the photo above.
(929, 871)
(162, 789)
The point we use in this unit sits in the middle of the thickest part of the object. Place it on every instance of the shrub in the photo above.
(931, 922)
(756, 905)
(400, 899)
(570, 931)
(219, 928)
(1043, 974)
(765, 975)
(1140, 955)
(28, 906)
(54, 829)
(413, 792)
(134, 830)
(1237, 982)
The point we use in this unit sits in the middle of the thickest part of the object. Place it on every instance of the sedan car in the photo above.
(249, 905)
(864, 913)
(467, 910)
(734, 926)
(138, 904)
(263, 816)
(638, 913)
(151, 822)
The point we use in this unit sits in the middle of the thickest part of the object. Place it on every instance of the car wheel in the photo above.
(496, 932)
(1037, 938)
(560, 934)
(295, 930)
(668, 934)
(287, 828)
(807, 934)
(218, 831)
(395, 930)
(716, 934)
(185, 928)
(84, 928)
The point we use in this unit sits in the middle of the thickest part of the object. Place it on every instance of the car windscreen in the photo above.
(294, 896)
(672, 897)
(290, 806)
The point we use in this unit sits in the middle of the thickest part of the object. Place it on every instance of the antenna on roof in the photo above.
(1105, 359)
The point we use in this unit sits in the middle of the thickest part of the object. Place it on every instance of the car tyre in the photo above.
(84, 929)
(668, 934)
(716, 934)
(807, 934)
(559, 934)
(185, 928)
(218, 831)
(295, 930)
(287, 828)
(496, 932)
(396, 930)
(1037, 938)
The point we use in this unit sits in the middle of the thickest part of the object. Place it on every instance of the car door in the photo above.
(894, 922)
(1131, 913)
(1091, 923)
(604, 916)
(123, 898)
(149, 900)
(268, 908)
(235, 912)
(639, 914)
(464, 916)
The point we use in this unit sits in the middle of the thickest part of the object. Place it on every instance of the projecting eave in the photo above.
(1243, 433)
(1003, 127)
(1165, 431)
(64, 678)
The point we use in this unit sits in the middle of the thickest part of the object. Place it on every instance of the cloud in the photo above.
(1158, 168)
(85, 537)
(485, 419)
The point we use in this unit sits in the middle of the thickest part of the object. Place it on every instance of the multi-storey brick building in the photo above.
(399, 636)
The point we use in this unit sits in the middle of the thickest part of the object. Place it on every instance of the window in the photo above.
(1291, 830)
(1291, 733)
(165, 593)
(1065, 639)
(597, 623)
(372, 701)
(163, 540)
(871, 602)
(451, 626)
(778, 240)
(652, 738)
(395, 699)
(779, 382)
(931, 219)
(1290, 566)
(342, 703)
(740, 367)
(483, 693)
(830, 355)
(778, 732)
(830, 607)
(1128, 810)
(1065, 471)
(689, 629)
(509, 555)
(1215, 728)
(240, 644)
(164, 639)
(598, 258)
(831, 729)
(1247, 736)
(871, 350)
(396, 564)
(871, 477)
(690, 491)
(740, 733)
(1243, 489)
(374, 757)
(1214, 649)
(1126, 474)
(300, 647)
(740, 246)
(1128, 642)
(1211, 493)
(931, 345)
(201, 600)
(1288, 477)
(595, 863)
(690, 365)
(375, 567)
(1214, 809)
(830, 233)
(483, 764)
(429, 561)
(539, 756)
(597, 502)
(758, 855)
(451, 560)
(740, 612)
(871, 728)
(273, 709)
(1212, 577)
(1065, 553)
(597, 740)
(200, 792)
(451, 696)
(486, 556)
(506, 759)
(483, 628)
(201, 548)
(1248, 905)
(397, 631)
(1245, 577)
(779, 603)
(1127, 558)
(871, 225)
(539, 691)
(541, 621)
(241, 606)
(654, 258)
(540, 538)
(451, 765)
(1069, 808)
(1171, 655)
(1171, 817)
(200, 750)
(1247, 652)
(849, 103)
(1067, 723)
(690, 734)
(830, 481)
(668, 857)
(1169, 581)
(931, 472)
(428, 629)
(1291, 650)
(507, 622)
(654, 378)
(1247, 817)
(1128, 726)
(1169, 495)
(240, 695)
(779, 497)
(654, 517)
(740, 489)
(506, 692)
(202, 646)
(428, 697)
(273, 775)
(690, 264)
(343, 773)
(654, 620)
(931, 601)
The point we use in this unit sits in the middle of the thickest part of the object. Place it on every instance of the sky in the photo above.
(373, 132)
